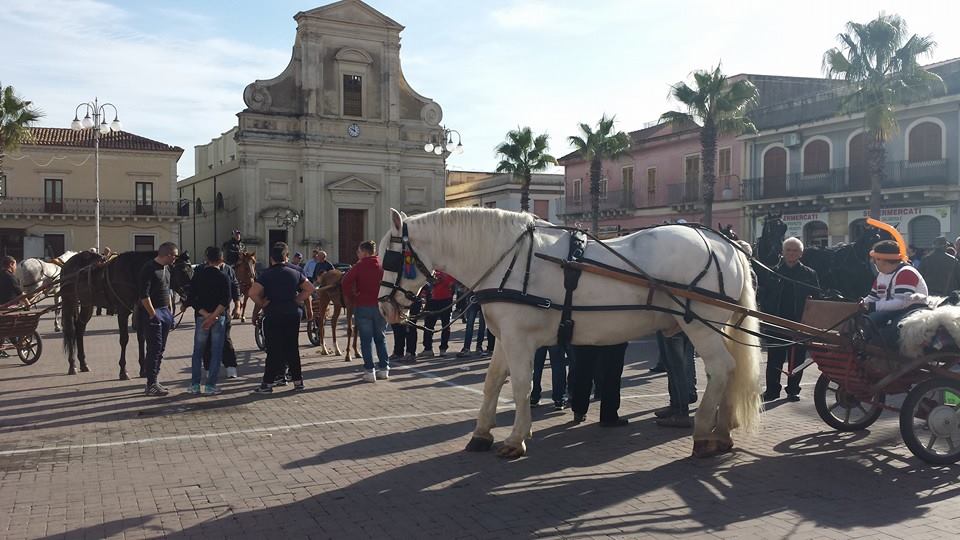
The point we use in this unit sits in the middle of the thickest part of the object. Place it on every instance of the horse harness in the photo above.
(406, 261)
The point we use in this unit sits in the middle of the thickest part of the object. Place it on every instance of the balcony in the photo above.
(685, 193)
(121, 208)
(899, 174)
(611, 201)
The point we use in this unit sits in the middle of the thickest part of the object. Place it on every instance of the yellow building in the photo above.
(48, 199)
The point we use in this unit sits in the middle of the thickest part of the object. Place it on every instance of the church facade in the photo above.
(322, 151)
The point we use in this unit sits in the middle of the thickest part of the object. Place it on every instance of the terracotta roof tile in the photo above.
(118, 140)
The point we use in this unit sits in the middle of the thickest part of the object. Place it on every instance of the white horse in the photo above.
(35, 273)
(466, 242)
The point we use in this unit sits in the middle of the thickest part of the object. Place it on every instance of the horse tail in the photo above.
(68, 314)
(744, 346)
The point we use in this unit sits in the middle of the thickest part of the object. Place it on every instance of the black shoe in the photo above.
(534, 402)
(263, 390)
(658, 369)
(282, 381)
(579, 418)
(298, 385)
(664, 412)
(559, 406)
(619, 422)
(770, 397)
(793, 397)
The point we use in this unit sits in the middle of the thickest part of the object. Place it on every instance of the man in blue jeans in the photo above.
(362, 285)
(473, 314)
(209, 296)
(153, 287)
(558, 370)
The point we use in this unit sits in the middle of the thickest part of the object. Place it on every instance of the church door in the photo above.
(351, 234)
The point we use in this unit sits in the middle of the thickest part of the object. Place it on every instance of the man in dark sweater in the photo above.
(210, 298)
(156, 317)
(784, 294)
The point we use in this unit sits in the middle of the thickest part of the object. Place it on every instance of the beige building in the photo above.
(335, 140)
(49, 196)
(494, 190)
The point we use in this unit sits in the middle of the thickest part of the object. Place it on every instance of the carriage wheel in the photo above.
(313, 332)
(29, 348)
(930, 421)
(258, 334)
(841, 410)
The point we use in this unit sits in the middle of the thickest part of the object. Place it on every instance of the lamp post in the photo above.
(443, 142)
(94, 118)
(287, 219)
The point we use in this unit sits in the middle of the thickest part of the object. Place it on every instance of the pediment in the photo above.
(352, 55)
(352, 183)
(352, 11)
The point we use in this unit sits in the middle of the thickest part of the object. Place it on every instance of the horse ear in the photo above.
(397, 219)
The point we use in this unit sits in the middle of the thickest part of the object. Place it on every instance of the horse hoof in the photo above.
(124, 376)
(512, 452)
(711, 448)
(84, 368)
(479, 444)
(72, 371)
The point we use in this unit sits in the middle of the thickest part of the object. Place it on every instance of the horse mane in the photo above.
(450, 229)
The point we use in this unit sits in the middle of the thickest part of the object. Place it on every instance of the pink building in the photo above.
(659, 180)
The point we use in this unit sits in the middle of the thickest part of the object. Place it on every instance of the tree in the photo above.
(718, 106)
(16, 115)
(521, 155)
(879, 63)
(596, 146)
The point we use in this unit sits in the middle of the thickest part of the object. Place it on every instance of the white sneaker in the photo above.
(369, 376)
(383, 374)
(232, 373)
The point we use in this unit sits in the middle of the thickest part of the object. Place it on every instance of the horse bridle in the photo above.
(395, 261)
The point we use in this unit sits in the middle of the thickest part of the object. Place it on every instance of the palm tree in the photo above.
(879, 62)
(16, 115)
(718, 106)
(596, 146)
(521, 155)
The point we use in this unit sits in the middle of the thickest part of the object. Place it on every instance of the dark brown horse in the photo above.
(89, 281)
(246, 270)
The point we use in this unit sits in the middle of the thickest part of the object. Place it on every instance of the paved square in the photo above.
(88, 456)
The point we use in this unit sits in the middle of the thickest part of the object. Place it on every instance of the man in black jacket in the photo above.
(229, 353)
(784, 294)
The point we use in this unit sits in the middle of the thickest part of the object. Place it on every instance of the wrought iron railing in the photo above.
(86, 207)
(610, 200)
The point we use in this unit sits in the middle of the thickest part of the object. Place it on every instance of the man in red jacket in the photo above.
(440, 304)
(362, 284)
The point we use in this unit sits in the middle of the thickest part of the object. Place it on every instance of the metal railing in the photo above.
(686, 192)
(86, 207)
(610, 200)
(898, 174)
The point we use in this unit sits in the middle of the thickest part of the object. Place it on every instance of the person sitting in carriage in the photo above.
(897, 291)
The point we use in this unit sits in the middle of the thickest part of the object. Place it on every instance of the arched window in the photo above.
(775, 172)
(816, 157)
(925, 143)
(815, 233)
(923, 230)
(198, 208)
(219, 201)
(858, 175)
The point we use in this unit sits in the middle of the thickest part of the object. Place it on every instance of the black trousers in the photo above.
(776, 358)
(404, 336)
(431, 322)
(605, 363)
(282, 333)
(229, 353)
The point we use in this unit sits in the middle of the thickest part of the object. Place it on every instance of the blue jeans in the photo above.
(155, 333)
(216, 335)
(558, 370)
(371, 325)
(474, 313)
(681, 370)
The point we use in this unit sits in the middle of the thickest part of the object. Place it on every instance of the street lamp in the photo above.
(95, 118)
(286, 219)
(443, 142)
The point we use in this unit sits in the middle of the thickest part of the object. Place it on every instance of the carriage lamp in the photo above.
(95, 118)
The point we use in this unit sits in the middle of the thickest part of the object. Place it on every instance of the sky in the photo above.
(176, 69)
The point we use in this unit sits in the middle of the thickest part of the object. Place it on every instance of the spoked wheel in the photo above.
(841, 410)
(930, 421)
(29, 348)
(258, 334)
(313, 332)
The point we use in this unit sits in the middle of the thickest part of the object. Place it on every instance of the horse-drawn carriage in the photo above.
(18, 331)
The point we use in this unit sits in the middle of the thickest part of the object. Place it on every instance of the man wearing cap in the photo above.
(233, 248)
(298, 260)
(898, 290)
(941, 270)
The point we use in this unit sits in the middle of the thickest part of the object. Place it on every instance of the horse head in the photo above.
(404, 272)
(727, 230)
(181, 272)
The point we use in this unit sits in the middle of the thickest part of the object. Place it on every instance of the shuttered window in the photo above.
(926, 142)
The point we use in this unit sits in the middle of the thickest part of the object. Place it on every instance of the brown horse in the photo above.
(329, 292)
(246, 270)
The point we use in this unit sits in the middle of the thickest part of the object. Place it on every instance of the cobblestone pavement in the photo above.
(88, 456)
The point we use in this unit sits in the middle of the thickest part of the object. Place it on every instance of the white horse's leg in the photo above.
(711, 431)
(482, 439)
(519, 352)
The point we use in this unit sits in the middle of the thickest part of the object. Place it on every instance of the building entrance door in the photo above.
(351, 234)
(11, 243)
(274, 236)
